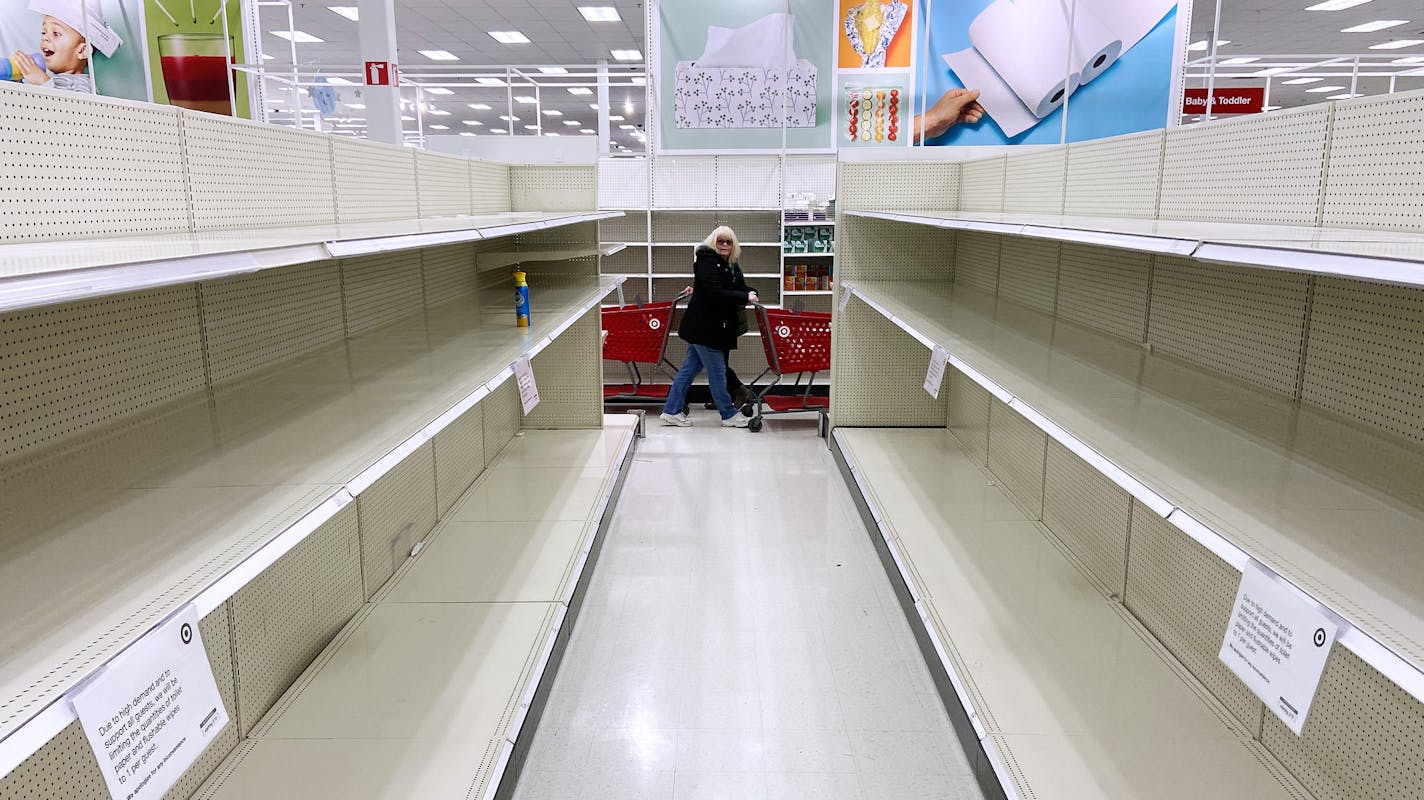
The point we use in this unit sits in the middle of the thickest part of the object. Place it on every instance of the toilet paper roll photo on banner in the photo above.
(738, 75)
(1027, 58)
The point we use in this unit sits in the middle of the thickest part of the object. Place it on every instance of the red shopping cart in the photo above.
(638, 335)
(796, 342)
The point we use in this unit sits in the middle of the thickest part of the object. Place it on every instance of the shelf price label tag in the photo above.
(153, 710)
(934, 377)
(528, 389)
(1277, 642)
(845, 297)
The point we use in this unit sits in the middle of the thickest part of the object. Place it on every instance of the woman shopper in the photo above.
(709, 327)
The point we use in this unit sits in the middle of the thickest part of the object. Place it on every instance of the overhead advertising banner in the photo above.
(998, 72)
(874, 53)
(744, 75)
(87, 46)
(150, 50)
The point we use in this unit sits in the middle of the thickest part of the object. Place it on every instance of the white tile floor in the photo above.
(740, 640)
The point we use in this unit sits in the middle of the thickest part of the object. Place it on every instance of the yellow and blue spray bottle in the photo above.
(521, 300)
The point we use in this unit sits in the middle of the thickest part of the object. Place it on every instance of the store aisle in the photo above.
(740, 640)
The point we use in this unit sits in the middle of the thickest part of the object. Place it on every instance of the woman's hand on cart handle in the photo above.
(752, 297)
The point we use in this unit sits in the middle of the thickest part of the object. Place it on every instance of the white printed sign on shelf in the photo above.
(153, 710)
(1277, 642)
(934, 376)
(528, 389)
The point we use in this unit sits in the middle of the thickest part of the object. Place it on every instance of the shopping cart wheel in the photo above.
(755, 425)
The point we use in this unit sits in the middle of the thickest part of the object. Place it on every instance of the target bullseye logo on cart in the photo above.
(783, 331)
(654, 324)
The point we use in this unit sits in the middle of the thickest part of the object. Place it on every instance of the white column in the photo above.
(603, 106)
(377, 31)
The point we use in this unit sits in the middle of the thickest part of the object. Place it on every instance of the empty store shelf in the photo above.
(1070, 699)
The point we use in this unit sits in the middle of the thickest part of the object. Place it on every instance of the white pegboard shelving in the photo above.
(43, 273)
(1067, 697)
(1274, 506)
(1376, 255)
(462, 638)
(240, 505)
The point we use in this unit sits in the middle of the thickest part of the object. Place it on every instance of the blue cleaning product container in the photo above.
(521, 301)
(10, 69)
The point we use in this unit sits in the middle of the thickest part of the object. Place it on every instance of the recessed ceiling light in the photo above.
(439, 55)
(338, 81)
(1377, 25)
(553, 70)
(593, 106)
(478, 106)
(1269, 71)
(467, 133)
(615, 117)
(471, 122)
(524, 98)
(266, 57)
(627, 55)
(509, 37)
(586, 130)
(599, 13)
(508, 118)
(489, 81)
(1409, 60)
(531, 127)
(640, 81)
(1324, 89)
(580, 90)
(627, 127)
(572, 123)
(407, 118)
(350, 12)
(1197, 47)
(1299, 81)
(439, 112)
(1232, 62)
(1396, 44)
(1336, 5)
(300, 37)
(440, 127)
(498, 130)
(357, 106)
(1345, 96)
(550, 133)
(440, 90)
(553, 112)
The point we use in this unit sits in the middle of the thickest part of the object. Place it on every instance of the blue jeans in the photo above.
(700, 357)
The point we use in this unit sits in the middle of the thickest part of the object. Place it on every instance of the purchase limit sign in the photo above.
(1277, 643)
(153, 710)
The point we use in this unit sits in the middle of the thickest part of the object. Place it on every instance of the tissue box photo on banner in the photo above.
(749, 75)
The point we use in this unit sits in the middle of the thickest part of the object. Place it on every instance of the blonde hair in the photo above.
(720, 231)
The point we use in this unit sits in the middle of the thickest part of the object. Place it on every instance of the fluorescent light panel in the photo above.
(1324, 89)
(508, 118)
(572, 123)
(1397, 44)
(1336, 5)
(580, 90)
(523, 98)
(478, 106)
(338, 81)
(440, 127)
(489, 81)
(600, 13)
(1299, 81)
(439, 55)
(471, 122)
(1377, 25)
(586, 130)
(350, 12)
(1234, 62)
(439, 90)
(1269, 71)
(300, 37)
(1345, 96)
(627, 55)
(439, 112)
(1409, 60)
(1199, 46)
(553, 70)
(553, 112)
(509, 37)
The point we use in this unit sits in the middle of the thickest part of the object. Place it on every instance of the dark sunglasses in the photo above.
(724, 241)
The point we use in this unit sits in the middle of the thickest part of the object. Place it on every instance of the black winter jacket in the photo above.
(719, 292)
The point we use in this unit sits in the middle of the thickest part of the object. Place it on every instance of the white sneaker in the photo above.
(735, 421)
(676, 420)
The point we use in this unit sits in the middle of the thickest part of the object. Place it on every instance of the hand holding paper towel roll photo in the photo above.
(952, 108)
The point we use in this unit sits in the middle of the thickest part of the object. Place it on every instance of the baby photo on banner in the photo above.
(733, 76)
(85, 46)
(1111, 62)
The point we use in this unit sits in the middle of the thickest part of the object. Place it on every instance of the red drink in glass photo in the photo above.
(195, 69)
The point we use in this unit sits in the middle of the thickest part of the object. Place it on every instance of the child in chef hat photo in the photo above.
(70, 31)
